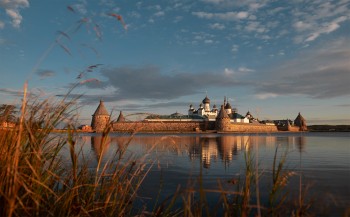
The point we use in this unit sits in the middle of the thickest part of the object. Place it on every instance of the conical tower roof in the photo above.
(222, 114)
(101, 109)
(299, 120)
(121, 117)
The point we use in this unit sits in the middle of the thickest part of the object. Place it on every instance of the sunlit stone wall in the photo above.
(189, 127)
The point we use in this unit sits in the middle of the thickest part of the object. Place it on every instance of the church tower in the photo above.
(206, 102)
(100, 118)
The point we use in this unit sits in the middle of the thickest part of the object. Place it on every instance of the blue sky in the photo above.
(273, 58)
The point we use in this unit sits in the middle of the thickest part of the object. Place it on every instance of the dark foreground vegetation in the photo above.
(36, 181)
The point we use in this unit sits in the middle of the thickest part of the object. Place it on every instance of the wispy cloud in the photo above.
(323, 73)
(11, 92)
(2, 24)
(227, 16)
(239, 71)
(43, 73)
(218, 26)
(319, 18)
(12, 9)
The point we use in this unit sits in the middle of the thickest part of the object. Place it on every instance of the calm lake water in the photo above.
(320, 161)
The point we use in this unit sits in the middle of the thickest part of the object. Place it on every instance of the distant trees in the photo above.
(8, 113)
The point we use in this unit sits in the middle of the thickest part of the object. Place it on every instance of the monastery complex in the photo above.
(204, 119)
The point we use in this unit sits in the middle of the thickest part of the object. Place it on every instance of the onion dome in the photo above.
(228, 106)
(101, 110)
(206, 100)
(214, 106)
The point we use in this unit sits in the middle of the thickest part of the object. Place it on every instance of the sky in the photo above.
(272, 58)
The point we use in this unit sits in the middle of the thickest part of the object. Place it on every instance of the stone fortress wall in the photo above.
(189, 127)
(222, 123)
(141, 126)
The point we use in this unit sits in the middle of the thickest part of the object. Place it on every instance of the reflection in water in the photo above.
(100, 145)
(300, 143)
(207, 148)
(309, 154)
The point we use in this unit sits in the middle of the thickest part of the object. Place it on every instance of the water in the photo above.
(320, 162)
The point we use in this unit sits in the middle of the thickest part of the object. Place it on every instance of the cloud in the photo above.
(227, 16)
(148, 83)
(213, 1)
(241, 70)
(321, 74)
(319, 18)
(235, 48)
(255, 27)
(11, 92)
(256, 6)
(2, 24)
(302, 26)
(12, 10)
(159, 14)
(218, 26)
(45, 73)
(263, 96)
(343, 105)
(326, 29)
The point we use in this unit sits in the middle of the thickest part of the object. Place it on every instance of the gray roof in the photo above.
(101, 109)
(236, 116)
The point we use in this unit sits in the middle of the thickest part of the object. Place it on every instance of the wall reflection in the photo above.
(206, 148)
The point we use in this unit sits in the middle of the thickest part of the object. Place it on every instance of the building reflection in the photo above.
(207, 149)
(300, 143)
(100, 145)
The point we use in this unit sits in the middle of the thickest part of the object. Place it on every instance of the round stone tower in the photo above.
(100, 118)
(222, 122)
(300, 122)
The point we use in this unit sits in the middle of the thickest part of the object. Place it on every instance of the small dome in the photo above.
(206, 100)
(214, 106)
(228, 106)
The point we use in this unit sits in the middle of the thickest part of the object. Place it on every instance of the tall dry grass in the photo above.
(35, 180)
